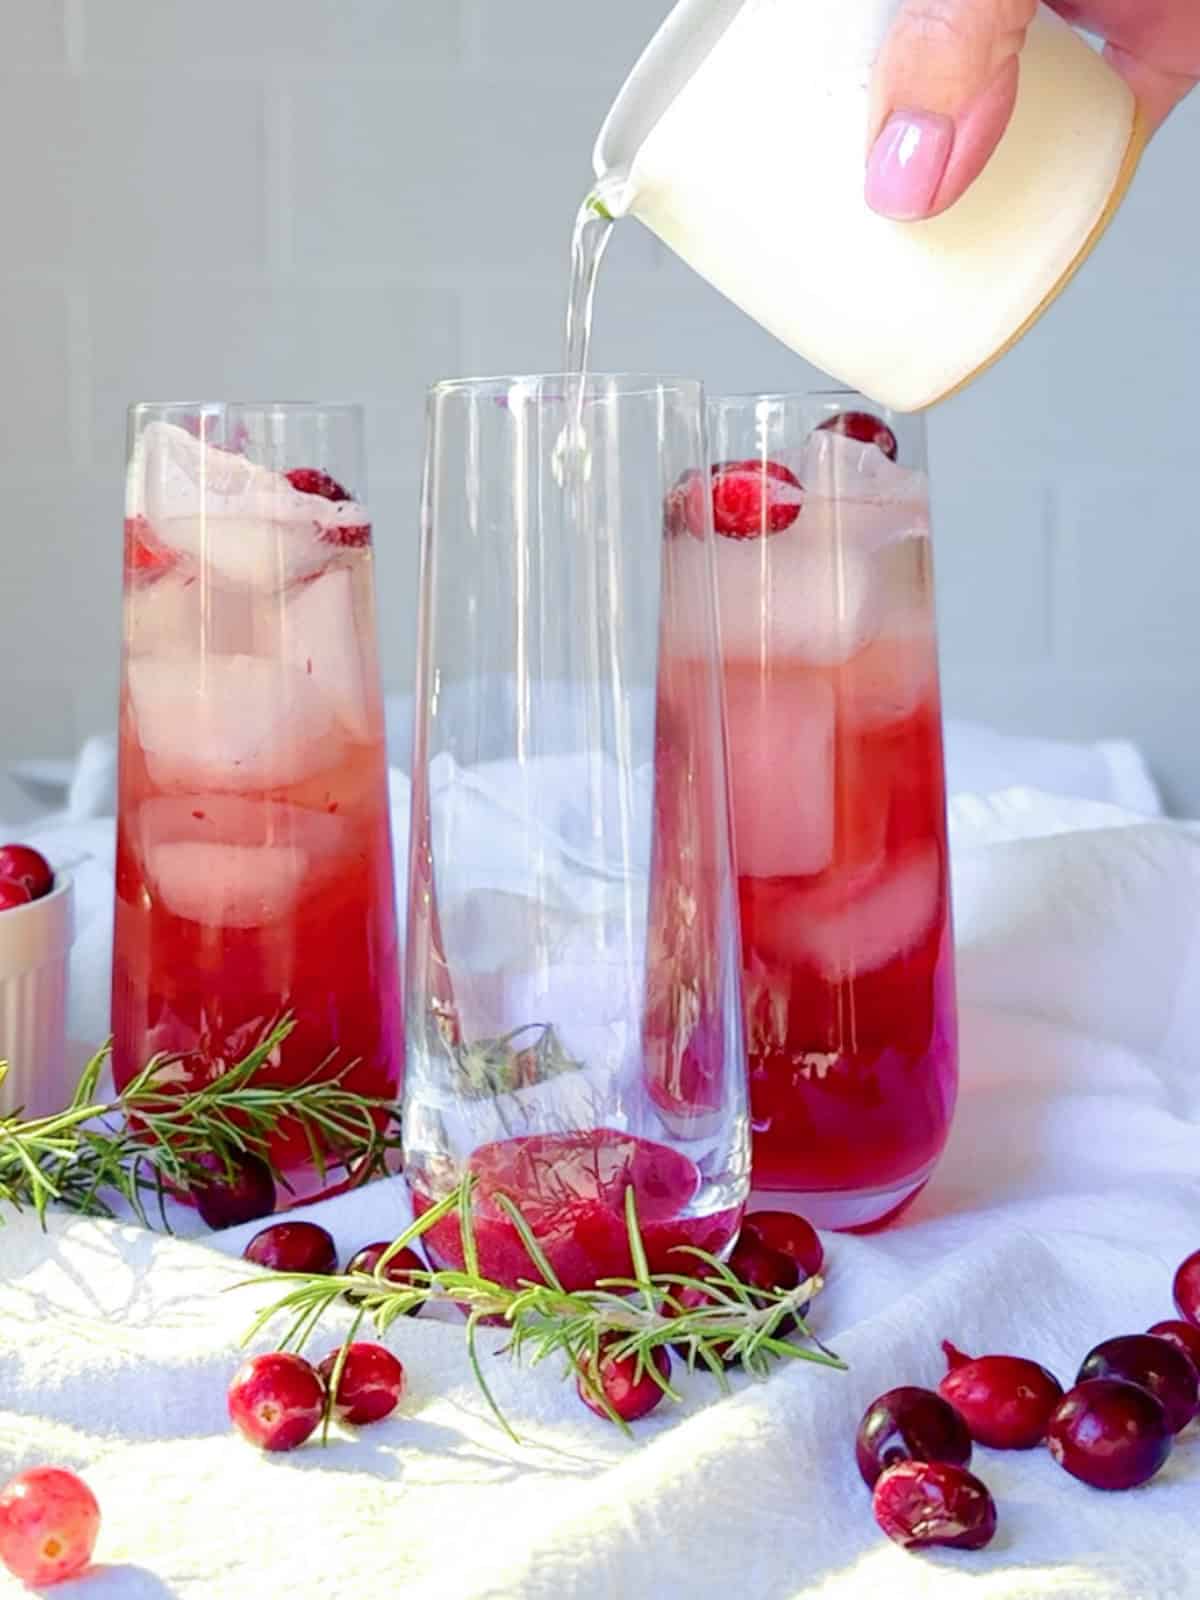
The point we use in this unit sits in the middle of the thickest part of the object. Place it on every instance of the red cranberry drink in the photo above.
(835, 743)
(254, 864)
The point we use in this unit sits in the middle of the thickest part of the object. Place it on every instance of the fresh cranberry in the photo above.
(1156, 1365)
(311, 480)
(293, 1247)
(1005, 1401)
(788, 1235)
(244, 1194)
(1185, 1336)
(13, 894)
(21, 864)
(684, 508)
(370, 1386)
(1187, 1288)
(630, 1393)
(909, 1424)
(49, 1520)
(276, 1400)
(1109, 1433)
(921, 1503)
(758, 1267)
(145, 554)
(746, 503)
(399, 1270)
(866, 429)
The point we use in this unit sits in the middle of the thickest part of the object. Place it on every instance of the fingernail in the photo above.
(907, 164)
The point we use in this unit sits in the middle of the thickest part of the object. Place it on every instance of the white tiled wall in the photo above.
(350, 198)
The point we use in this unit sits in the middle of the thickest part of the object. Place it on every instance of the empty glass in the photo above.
(573, 1019)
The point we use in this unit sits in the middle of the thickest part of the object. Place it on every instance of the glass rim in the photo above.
(349, 408)
(632, 384)
(840, 393)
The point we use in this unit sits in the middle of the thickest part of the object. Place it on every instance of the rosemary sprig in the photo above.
(148, 1140)
(625, 1316)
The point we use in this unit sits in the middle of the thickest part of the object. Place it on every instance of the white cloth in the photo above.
(1067, 1195)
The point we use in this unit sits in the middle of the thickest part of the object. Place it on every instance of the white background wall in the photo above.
(350, 198)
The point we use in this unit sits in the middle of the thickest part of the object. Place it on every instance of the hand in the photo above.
(946, 82)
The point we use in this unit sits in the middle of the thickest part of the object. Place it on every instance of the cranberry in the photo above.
(920, 1503)
(49, 1520)
(311, 480)
(370, 1386)
(347, 535)
(1184, 1336)
(630, 1393)
(909, 1424)
(293, 1247)
(276, 1400)
(21, 864)
(684, 508)
(788, 1235)
(224, 1200)
(1153, 1363)
(399, 1270)
(1109, 1433)
(1005, 1401)
(1187, 1288)
(758, 1267)
(13, 894)
(746, 502)
(866, 429)
(145, 555)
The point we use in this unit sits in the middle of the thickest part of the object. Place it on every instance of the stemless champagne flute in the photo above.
(573, 1013)
(254, 862)
(831, 683)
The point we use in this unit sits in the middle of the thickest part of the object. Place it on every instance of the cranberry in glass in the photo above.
(13, 894)
(242, 1194)
(866, 429)
(293, 1247)
(1184, 1336)
(21, 864)
(1110, 1434)
(370, 1386)
(49, 1520)
(1005, 1401)
(399, 1270)
(788, 1235)
(1187, 1288)
(1153, 1363)
(909, 1424)
(923, 1503)
(631, 1393)
(276, 1400)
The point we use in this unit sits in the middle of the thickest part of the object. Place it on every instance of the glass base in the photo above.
(846, 1210)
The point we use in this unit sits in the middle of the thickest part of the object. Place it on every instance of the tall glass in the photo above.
(573, 1017)
(254, 861)
(831, 681)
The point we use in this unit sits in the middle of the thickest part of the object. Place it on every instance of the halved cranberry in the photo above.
(866, 429)
(922, 1503)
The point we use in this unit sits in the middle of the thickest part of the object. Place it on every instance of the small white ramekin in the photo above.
(35, 949)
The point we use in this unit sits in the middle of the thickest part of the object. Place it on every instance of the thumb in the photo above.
(943, 91)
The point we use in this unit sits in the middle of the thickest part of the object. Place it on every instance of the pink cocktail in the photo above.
(254, 862)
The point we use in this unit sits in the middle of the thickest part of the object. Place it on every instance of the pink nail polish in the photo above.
(907, 164)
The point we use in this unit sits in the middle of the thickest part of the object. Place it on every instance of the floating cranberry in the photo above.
(1185, 1336)
(242, 1194)
(866, 429)
(399, 1270)
(1187, 1288)
(276, 1400)
(788, 1235)
(631, 1393)
(21, 864)
(311, 480)
(49, 1520)
(754, 498)
(370, 1386)
(1005, 1401)
(1153, 1363)
(1110, 1434)
(293, 1247)
(13, 894)
(922, 1503)
(684, 508)
(909, 1424)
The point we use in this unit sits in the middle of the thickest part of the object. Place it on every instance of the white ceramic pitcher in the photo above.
(740, 139)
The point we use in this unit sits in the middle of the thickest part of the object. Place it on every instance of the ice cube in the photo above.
(235, 722)
(781, 770)
(228, 819)
(178, 615)
(882, 915)
(227, 885)
(891, 679)
(320, 637)
(855, 495)
(795, 597)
